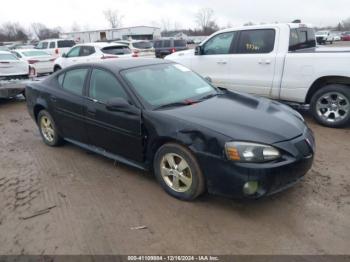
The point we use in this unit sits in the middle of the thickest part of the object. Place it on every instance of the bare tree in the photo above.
(114, 18)
(346, 24)
(165, 24)
(13, 32)
(42, 32)
(204, 17)
(248, 24)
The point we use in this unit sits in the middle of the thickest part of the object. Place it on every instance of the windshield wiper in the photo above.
(175, 104)
(207, 97)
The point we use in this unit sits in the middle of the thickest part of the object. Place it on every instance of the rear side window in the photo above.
(52, 45)
(74, 80)
(180, 43)
(45, 45)
(301, 38)
(219, 44)
(166, 43)
(103, 86)
(256, 41)
(65, 43)
(60, 79)
(116, 50)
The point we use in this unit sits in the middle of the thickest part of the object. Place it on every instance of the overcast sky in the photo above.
(89, 14)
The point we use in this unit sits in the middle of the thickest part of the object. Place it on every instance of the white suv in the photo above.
(92, 52)
(140, 48)
(55, 47)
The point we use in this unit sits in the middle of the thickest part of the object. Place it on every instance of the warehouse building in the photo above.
(136, 33)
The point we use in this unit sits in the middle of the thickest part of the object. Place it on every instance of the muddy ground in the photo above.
(86, 204)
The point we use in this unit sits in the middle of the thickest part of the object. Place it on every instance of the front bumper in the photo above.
(227, 178)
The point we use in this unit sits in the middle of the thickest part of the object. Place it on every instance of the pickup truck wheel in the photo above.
(178, 172)
(57, 68)
(48, 129)
(330, 105)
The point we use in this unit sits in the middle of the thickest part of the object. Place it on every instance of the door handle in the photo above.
(264, 62)
(221, 62)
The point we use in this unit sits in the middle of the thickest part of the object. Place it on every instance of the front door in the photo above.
(116, 132)
(73, 57)
(214, 61)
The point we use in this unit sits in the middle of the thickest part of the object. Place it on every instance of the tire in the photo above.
(330, 106)
(50, 136)
(190, 179)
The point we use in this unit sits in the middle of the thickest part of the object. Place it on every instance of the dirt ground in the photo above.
(82, 203)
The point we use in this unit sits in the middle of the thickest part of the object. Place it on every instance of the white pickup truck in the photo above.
(279, 61)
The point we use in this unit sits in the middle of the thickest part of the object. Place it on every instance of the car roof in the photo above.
(117, 65)
(5, 52)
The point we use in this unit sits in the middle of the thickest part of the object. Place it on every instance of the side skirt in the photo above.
(103, 152)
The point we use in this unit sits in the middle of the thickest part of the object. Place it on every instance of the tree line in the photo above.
(204, 18)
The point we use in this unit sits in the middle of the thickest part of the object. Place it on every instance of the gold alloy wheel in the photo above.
(176, 172)
(47, 129)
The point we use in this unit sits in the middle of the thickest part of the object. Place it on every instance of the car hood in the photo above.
(243, 117)
(189, 52)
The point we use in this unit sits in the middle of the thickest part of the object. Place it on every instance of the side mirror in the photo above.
(198, 50)
(118, 104)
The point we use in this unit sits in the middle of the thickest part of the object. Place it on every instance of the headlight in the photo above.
(250, 152)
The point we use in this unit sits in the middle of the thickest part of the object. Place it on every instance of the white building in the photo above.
(136, 32)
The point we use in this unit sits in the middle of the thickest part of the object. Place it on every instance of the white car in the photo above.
(12, 66)
(140, 48)
(92, 52)
(40, 60)
(323, 37)
(279, 61)
(55, 47)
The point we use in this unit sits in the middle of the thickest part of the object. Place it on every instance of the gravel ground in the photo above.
(68, 201)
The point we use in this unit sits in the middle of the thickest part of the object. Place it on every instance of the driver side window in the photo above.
(74, 52)
(219, 44)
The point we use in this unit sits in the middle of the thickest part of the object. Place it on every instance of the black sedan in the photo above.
(161, 116)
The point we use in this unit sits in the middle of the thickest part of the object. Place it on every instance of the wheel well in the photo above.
(57, 67)
(37, 109)
(323, 81)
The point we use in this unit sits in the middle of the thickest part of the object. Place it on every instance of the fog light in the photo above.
(250, 188)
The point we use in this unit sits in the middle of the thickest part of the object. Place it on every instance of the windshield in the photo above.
(35, 53)
(165, 84)
(8, 57)
(116, 50)
(143, 45)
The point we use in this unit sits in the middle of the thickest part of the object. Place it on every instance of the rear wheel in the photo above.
(48, 129)
(178, 172)
(331, 105)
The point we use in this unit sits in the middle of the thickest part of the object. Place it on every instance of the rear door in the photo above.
(116, 132)
(214, 60)
(67, 101)
(251, 67)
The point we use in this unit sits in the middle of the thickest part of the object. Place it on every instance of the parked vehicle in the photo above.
(324, 37)
(161, 116)
(279, 61)
(22, 46)
(168, 46)
(13, 74)
(336, 36)
(56, 47)
(345, 36)
(139, 48)
(92, 52)
(40, 60)
(4, 48)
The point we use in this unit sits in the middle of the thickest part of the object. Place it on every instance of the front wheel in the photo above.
(178, 172)
(330, 105)
(48, 129)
